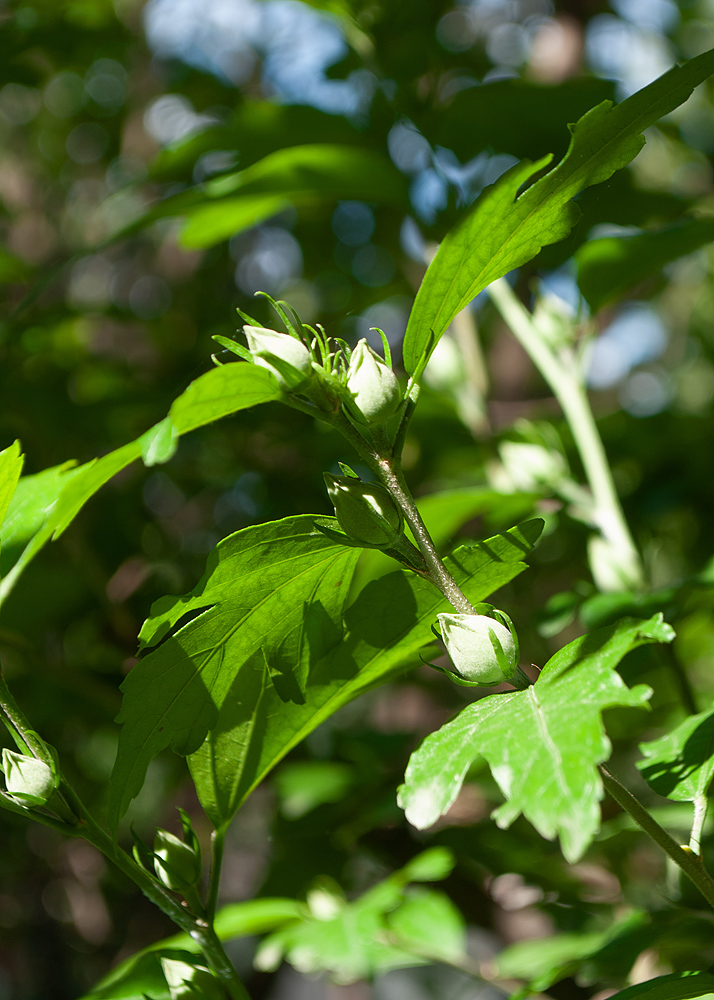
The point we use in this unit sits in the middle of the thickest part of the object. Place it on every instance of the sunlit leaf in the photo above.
(505, 230)
(680, 765)
(542, 744)
(386, 624)
(267, 609)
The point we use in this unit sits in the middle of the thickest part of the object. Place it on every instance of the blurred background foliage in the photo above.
(160, 162)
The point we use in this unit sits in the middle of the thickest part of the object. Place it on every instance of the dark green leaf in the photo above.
(505, 230)
(48, 502)
(386, 625)
(607, 268)
(678, 986)
(267, 609)
(542, 744)
(680, 765)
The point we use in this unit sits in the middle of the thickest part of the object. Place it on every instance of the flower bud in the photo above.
(285, 356)
(30, 781)
(190, 982)
(176, 864)
(365, 511)
(482, 650)
(373, 385)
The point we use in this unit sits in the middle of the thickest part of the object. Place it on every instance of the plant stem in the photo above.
(217, 842)
(439, 575)
(561, 373)
(687, 861)
(701, 804)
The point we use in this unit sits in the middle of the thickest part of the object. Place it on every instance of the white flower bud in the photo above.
(28, 779)
(181, 865)
(373, 385)
(481, 649)
(285, 356)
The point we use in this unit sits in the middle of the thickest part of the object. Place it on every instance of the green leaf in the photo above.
(223, 391)
(505, 230)
(546, 961)
(159, 444)
(678, 986)
(268, 607)
(386, 624)
(306, 784)
(428, 925)
(51, 500)
(257, 129)
(11, 460)
(680, 765)
(607, 268)
(13, 269)
(300, 175)
(543, 744)
(385, 928)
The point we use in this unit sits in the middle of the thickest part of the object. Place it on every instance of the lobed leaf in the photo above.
(386, 625)
(505, 230)
(268, 607)
(543, 744)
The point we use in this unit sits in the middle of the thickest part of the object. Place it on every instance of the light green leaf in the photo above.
(220, 220)
(505, 230)
(159, 444)
(542, 744)
(680, 765)
(386, 625)
(11, 460)
(299, 175)
(267, 609)
(546, 961)
(222, 391)
(607, 268)
(385, 928)
(306, 784)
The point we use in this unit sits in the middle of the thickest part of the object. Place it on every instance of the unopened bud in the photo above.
(176, 864)
(285, 356)
(190, 982)
(30, 781)
(482, 650)
(365, 511)
(373, 384)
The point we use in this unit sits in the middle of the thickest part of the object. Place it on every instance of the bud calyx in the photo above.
(282, 354)
(482, 650)
(176, 863)
(373, 384)
(365, 511)
(29, 780)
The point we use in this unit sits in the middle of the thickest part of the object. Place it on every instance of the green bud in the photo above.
(482, 650)
(176, 864)
(30, 781)
(190, 982)
(365, 511)
(373, 384)
(285, 356)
